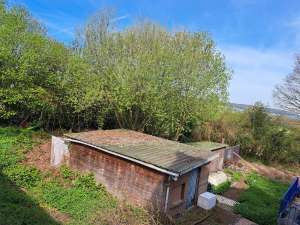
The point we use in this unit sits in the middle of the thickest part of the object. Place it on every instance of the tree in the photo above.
(41, 80)
(287, 94)
(154, 80)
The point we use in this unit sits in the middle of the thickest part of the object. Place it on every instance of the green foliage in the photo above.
(77, 201)
(235, 175)
(143, 78)
(155, 80)
(88, 182)
(259, 134)
(13, 143)
(41, 81)
(221, 188)
(73, 193)
(67, 173)
(260, 202)
(18, 208)
(23, 176)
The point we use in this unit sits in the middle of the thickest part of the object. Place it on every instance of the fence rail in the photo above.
(229, 153)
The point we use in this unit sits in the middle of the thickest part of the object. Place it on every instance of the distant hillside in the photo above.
(277, 112)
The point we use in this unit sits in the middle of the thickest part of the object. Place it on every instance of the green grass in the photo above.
(260, 202)
(28, 195)
(235, 175)
(221, 188)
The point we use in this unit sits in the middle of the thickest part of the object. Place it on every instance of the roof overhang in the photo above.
(175, 175)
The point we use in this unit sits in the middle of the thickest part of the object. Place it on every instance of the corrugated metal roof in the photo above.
(208, 145)
(162, 153)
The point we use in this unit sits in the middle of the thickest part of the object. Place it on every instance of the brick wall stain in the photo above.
(127, 180)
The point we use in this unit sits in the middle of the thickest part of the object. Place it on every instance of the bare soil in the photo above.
(59, 216)
(220, 216)
(235, 190)
(40, 156)
(274, 173)
(264, 170)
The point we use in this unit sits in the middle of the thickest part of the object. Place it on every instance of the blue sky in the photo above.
(259, 38)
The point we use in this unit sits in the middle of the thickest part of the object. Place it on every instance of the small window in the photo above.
(182, 191)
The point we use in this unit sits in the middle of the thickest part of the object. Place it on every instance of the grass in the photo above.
(28, 195)
(221, 188)
(260, 202)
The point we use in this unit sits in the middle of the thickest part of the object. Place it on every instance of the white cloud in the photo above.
(256, 72)
(120, 18)
(295, 22)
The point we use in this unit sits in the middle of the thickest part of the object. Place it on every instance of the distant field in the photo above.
(273, 111)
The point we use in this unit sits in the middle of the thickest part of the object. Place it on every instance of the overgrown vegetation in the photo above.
(259, 134)
(29, 196)
(221, 188)
(142, 77)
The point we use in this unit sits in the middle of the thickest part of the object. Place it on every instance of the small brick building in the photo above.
(141, 168)
(219, 149)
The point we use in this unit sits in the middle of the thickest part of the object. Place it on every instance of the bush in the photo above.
(67, 173)
(87, 181)
(259, 134)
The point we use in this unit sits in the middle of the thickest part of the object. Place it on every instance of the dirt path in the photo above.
(267, 171)
(235, 190)
(221, 216)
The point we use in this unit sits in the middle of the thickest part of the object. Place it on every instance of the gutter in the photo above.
(174, 175)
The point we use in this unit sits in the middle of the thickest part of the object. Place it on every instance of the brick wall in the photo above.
(175, 203)
(218, 163)
(125, 179)
(203, 180)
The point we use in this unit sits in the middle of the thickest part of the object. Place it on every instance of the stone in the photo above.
(217, 178)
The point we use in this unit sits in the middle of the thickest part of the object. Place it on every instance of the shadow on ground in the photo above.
(17, 208)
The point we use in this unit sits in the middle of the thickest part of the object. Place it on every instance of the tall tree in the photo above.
(41, 80)
(155, 80)
(287, 94)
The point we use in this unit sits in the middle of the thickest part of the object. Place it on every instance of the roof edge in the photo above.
(200, 164)
(125, 157)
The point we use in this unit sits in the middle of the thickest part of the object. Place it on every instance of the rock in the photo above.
(217, 178)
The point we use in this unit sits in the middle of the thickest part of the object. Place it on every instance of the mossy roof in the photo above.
(169, 155)
(208, 145)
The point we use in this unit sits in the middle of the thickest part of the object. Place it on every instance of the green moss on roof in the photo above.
(169, 155)
(208, 145)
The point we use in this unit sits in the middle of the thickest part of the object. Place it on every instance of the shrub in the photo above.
(87, 181)
(67, 173)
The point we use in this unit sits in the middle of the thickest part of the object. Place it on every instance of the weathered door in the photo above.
(192, 188)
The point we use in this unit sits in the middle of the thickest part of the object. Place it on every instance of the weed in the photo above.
(221, 188)
(23, 176)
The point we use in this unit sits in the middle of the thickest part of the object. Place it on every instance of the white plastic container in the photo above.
(207, 200)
